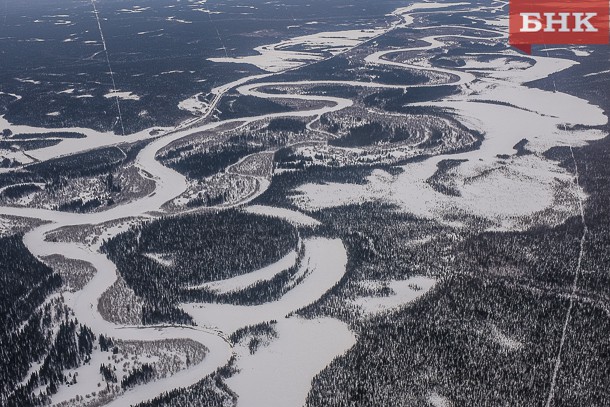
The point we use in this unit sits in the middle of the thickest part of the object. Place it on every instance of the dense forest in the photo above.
(237, 106)
(24, 283)
(477, 336)
(370, 134)
(22, 293)
(95, 162)
(258, 293)
(201, 158)
(203, 163)
(35, 330)
(199, 248)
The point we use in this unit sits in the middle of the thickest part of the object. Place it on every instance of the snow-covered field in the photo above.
(402, 293)
(297, 51)
(503, 191)
(295, 217)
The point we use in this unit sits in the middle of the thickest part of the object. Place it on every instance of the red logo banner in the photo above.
(558, 22)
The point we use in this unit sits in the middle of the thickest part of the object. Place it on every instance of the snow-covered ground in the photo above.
(502, 191)
(489, 186)
(194, 105)
(436, 400)
(122, 95)
(297, 51)
(504, 340)
(295, 217)
(402, 293)
(280, 374)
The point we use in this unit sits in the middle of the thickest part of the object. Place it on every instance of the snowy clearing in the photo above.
(301, 50)
(245, 280)
(403, 292)
(294, 217)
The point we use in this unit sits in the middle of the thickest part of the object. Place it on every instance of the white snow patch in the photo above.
(404, 292)
(295, 217)
(177, 20)
(159, 258)
(134, 9)
(282, 55)
(504, 340)
(122, 95)
(12, 95)
(151, 32)
(194, 105)
(436, 400)
(597, 73)
(243, 281)
(33, 82)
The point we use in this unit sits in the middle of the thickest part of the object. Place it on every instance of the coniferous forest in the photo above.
(346, 203)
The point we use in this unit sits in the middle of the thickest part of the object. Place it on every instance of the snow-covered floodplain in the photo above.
(280, 373)
(298, 51)
(500, 190)
(323, 265)
(93, 139)
(506, 111)
(84, 304)
(402, 293)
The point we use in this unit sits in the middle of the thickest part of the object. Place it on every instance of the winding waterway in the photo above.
(216, 322)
